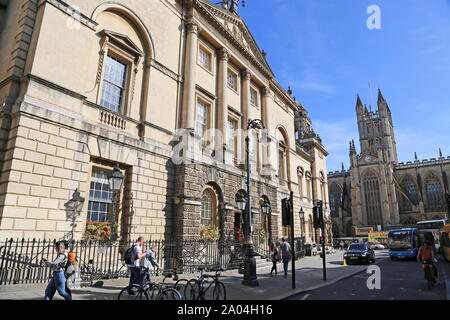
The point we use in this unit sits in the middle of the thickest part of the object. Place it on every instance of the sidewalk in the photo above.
(309, 275)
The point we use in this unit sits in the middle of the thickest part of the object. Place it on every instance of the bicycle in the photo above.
(148, 290)
(429, 273)
(195, 288)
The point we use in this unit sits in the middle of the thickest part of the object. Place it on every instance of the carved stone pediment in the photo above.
(236, 27)
(122, 41)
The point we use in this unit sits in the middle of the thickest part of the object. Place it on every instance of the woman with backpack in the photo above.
(274, 256)
(59, 280)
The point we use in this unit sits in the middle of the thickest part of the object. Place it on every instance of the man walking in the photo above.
(285, 255)
(135, 266)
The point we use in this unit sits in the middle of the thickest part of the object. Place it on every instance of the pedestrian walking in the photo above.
(285, 255)
(149, 261)
(59, 280)
(274, 256)
(341, 245)
(134, 262)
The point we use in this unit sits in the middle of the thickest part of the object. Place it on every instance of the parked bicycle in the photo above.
(201, 288)
(149, 290)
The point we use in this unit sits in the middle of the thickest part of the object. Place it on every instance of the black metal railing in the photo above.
(20, 259)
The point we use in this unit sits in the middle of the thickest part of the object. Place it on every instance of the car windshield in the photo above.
(400, 241)
(357, 246)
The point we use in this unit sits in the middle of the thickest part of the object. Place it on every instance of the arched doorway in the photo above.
(212, 209)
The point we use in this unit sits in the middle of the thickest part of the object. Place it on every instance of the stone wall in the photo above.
(49, 155)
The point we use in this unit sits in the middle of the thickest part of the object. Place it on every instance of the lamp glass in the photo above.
(116, 180)
(241, 203)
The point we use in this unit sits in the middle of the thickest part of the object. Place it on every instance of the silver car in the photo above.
(376, 246)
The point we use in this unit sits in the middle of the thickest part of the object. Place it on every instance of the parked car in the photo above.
(376, 246)
(359, 252)
(310, 249)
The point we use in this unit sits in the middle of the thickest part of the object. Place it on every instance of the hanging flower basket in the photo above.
(209, 233)
(101, 231)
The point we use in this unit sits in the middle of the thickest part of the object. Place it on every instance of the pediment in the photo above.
(236, 27)
(123, 41)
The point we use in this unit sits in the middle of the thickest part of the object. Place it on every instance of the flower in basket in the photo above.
(209, 233)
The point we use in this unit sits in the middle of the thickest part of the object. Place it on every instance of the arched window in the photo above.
(372, 198)
(300, 174)
(283, 150)
(410, 189)
(434, 193)
(308, 185)
(322, 189)
(209, 208)
(335, 199)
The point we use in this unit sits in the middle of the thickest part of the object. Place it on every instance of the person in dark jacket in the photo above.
(274, 256)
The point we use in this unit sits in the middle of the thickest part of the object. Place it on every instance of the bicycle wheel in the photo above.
(180, 286)
(152, 290)
(169, 294)
(191, 290)
(133, 292)
(219, 291)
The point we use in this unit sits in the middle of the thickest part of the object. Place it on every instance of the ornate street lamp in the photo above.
(115, 182)
(73, 210)
(241, 202)
(250, 278)
(266, 209)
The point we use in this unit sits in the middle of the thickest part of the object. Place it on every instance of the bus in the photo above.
(445, 242)
(403, 243)
(433, 226)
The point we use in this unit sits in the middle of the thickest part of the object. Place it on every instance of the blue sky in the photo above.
(325, 52)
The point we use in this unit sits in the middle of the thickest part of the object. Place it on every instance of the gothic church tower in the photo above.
(372, 171)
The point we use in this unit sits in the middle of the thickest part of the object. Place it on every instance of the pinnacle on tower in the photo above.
(440, 153)
(380, 97)
(358, 101)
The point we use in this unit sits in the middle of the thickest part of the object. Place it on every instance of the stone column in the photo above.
(221, 141)
(188, 120)
(246, 77)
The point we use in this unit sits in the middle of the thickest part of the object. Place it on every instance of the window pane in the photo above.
(114, 80)
(100, 196)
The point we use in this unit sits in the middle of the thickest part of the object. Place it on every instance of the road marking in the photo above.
(305, 297)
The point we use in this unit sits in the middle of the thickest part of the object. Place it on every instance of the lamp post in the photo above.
(250, 277)
(265, 209)
(73, 209)
(115, 182)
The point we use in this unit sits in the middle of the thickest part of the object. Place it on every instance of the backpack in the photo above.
(71, 265)
(128, 254)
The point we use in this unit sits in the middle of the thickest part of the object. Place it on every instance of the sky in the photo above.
(324, 50)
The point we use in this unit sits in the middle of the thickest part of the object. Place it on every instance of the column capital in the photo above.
(265, 91)
(224, 54)
(192, 27)
(246, 74)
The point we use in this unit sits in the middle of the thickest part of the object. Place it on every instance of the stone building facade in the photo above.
(88, 85)
(380, 191)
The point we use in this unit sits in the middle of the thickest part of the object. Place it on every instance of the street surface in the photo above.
(400, 280)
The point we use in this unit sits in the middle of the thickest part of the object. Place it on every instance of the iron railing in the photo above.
(20, 259)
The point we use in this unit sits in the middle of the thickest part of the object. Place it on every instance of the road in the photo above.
(400, 280)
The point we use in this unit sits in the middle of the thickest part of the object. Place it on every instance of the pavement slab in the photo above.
(309, 275)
